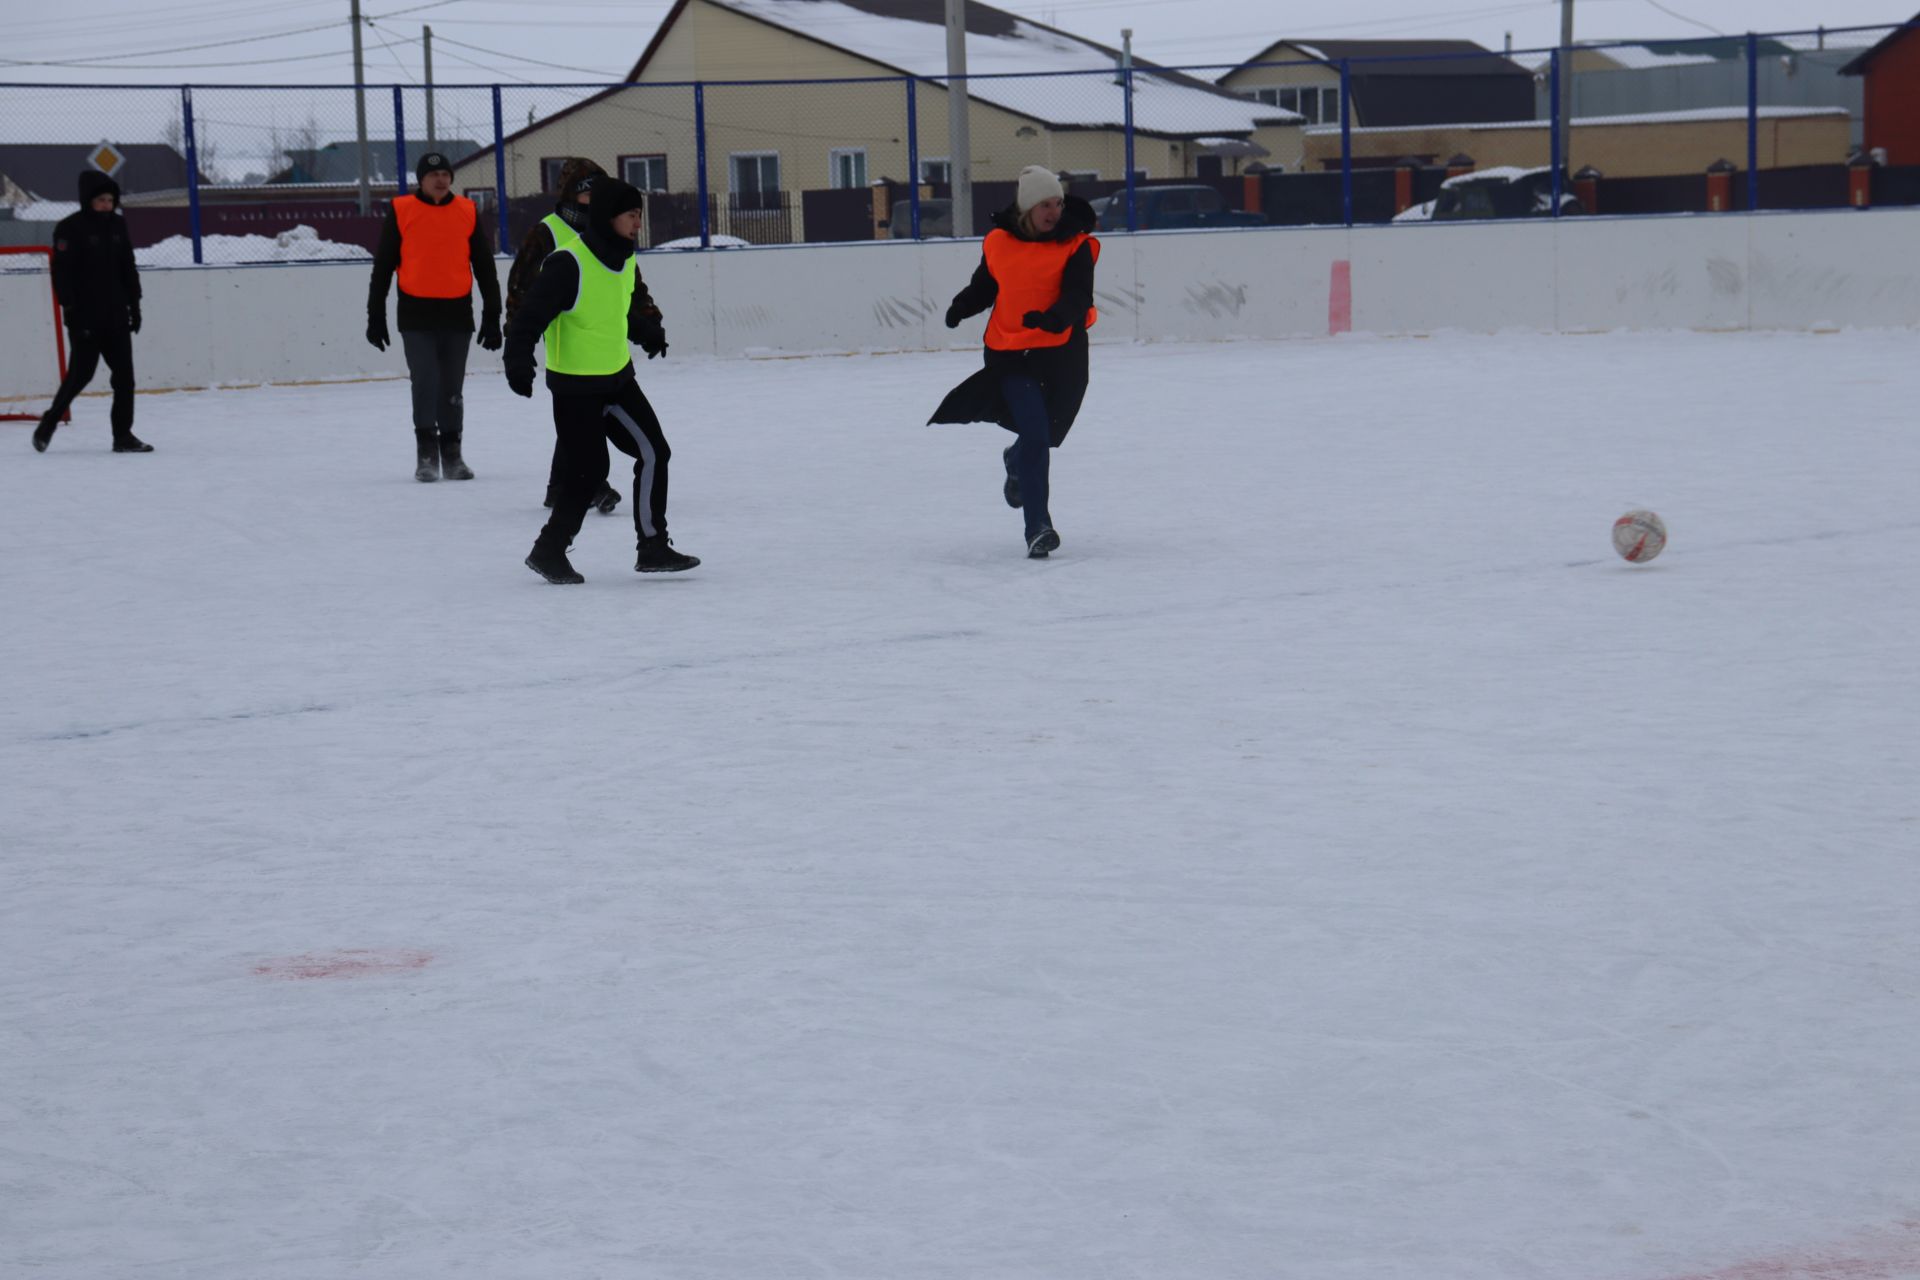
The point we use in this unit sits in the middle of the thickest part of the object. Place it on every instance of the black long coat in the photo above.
(93, 271)
(1061, 371)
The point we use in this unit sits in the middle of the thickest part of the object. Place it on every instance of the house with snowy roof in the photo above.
(1393, 82)
(1037, 95)
(1664, 77)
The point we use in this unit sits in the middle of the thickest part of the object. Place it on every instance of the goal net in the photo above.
(33, 347)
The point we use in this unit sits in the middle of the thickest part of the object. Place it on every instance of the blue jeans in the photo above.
(1028, 404)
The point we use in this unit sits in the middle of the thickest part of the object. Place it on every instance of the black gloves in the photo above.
(377, 330)
(1046, 320)
(489, 332)
(520, 378)
(652, 336)
(133, 315)
(954, 317)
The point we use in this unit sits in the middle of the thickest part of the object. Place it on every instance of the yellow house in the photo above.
(1037, 96)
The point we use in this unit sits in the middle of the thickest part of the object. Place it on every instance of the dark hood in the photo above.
(1076, 217)
(94, 183)
(572, 174)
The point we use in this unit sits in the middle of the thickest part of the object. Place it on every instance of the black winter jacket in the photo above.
(1061, 371)
(93, 271)
(453, 314)
(553, 292)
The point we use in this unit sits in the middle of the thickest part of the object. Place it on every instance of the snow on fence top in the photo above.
(1162, 103)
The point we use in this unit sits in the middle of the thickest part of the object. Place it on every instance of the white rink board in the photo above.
(252, 324)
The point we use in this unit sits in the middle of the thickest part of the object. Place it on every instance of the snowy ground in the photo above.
(1334, 864)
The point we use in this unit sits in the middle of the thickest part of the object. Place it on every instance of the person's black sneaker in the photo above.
(131, 444)
(606, 500)
(43, 434)
(553, 566)
(1041, 543)
(1011, 489)
(658, 556)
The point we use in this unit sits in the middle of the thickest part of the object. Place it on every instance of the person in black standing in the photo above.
(99, 291)
(433, 241)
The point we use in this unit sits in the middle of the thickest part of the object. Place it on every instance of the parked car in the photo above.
(1171, 208)
(1504, 192)
(936, 218)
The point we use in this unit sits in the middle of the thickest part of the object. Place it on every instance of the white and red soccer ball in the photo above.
(1639, 536)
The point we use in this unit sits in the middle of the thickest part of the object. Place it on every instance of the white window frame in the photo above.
(648, 160)
(858, 157)
(927, 162)
(733, 171)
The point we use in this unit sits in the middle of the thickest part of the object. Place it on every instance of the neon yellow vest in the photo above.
(589, 339)
(564, 236)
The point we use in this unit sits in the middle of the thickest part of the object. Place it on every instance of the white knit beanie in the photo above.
(1037, 184)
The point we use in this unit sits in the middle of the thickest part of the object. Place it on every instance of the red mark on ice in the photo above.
(1340, 299)
(1886, 1255)
(342, 964)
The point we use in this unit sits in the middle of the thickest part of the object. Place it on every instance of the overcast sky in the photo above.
(151, 41)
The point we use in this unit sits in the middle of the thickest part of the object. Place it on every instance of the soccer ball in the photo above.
(1639, 536)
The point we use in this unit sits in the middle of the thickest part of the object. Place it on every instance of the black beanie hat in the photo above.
(430, 162)
(611, 198)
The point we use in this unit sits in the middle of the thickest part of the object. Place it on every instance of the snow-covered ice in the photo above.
(1334, 864)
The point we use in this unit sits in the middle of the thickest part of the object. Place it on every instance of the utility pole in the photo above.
(1566, 84)
(959, 135)
(360, 111)
(426, 43)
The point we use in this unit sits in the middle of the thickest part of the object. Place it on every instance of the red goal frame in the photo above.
(59, 334)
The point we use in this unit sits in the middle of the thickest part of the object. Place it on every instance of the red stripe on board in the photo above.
(1340, 299)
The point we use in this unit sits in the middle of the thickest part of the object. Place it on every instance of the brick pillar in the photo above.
(1250, 196)
(1402, 188)
(1586, 186)
(1720, 186)
(1860, 180)
(1460, 164)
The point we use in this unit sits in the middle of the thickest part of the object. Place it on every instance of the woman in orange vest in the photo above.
(1036, 272)
(434, 241)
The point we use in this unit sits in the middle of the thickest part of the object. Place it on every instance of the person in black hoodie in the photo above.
(565, 223)
(434, 241)
(99, 291)
(586, 306)
(1036, 273)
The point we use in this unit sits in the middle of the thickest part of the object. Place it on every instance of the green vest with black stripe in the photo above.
(589, 339)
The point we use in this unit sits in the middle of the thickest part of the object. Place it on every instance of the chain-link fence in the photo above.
(1317, 134)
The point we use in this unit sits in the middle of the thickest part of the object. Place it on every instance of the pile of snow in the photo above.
(717, 242)
(44, 210)
(300, 244)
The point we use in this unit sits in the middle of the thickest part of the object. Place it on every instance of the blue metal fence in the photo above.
(1061, 103)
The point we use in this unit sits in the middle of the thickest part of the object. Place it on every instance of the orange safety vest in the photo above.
(436, 260)
(1028, 273)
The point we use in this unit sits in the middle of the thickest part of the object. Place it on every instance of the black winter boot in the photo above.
(1011, 489)
(1043, 543)
(658, 556)
(43, 434)
(451, 465)
(606, 500)
(130, 443)
(551, 563)
(426, 449)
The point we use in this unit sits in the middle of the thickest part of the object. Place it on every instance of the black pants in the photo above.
(116, 348)
(584, 425)
(437, 365)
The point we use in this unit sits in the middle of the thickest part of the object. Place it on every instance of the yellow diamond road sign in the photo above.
(107, 158)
